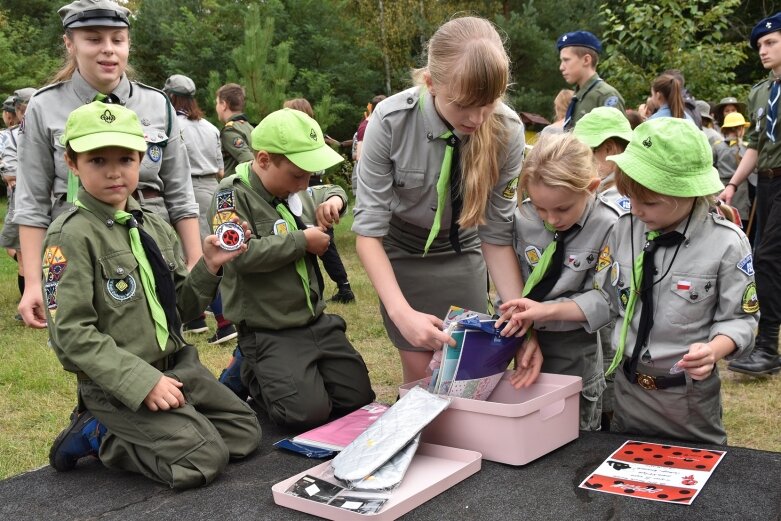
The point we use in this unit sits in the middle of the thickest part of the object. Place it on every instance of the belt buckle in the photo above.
(646, 382)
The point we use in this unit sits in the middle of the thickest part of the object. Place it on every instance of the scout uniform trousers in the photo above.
(185, 447)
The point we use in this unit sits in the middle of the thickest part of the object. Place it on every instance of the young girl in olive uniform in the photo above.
(559, 231)
(436, 188)
(678, 277)
(115, 285)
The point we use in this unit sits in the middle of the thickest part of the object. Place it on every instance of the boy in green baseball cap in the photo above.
(115, 287)
(679, 280)
(295, 360)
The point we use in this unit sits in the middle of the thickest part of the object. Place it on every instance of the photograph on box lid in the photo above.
(364, 475)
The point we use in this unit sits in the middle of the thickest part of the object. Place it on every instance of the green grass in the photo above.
(36, 395)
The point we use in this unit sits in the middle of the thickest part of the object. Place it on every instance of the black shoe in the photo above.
(759, 363)
(195, 326)
(223, 334)
(81, 438)
(343, 296)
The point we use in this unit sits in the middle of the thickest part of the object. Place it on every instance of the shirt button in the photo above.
(410, 101)
(171, 266)
(109, 222)
(430, 136)
(120, 271)
(577, 264)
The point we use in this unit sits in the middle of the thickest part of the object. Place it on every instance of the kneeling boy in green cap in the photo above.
(680, 281)
(297, 362)
(115, 287)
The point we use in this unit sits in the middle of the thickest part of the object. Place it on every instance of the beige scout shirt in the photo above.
(400, 164)
(709, 290)
(580, 256)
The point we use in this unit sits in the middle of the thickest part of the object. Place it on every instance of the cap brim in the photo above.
(594, 140)
(316, 160)
(706, 183)
(108, 139)
(98, 22)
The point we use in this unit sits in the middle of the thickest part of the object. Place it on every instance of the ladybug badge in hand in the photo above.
(230, 236)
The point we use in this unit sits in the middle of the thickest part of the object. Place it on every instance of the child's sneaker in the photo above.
(81, 438)
(196, 326)
(223, 334)
(231, 375)
(345, 295)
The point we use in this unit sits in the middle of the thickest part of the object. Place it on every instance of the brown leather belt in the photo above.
(653, 383)
(145, 193)
(163, 364)
(770, 173)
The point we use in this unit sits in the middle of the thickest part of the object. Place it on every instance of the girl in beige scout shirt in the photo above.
(564, 215)
(420, 252)
(696, 302)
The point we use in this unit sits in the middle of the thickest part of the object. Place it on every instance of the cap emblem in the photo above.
(647, 142)
(313, 134)
(108, 117)
(769, 25)
(564, 38)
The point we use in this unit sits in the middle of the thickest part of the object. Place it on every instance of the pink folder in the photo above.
(338, 434)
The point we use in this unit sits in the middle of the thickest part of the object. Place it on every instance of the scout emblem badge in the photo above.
(230, 236)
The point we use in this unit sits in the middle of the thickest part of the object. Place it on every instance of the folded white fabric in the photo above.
(388, 435)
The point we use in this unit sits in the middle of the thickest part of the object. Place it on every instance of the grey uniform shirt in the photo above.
(8, 154)
(400, 163)
(43, 172)
(202, 141)
(708, 291)
(581, 253)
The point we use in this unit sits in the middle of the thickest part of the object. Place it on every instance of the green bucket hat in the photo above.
(98, 125)
(298, 137)
(601, 124)
(670, 156)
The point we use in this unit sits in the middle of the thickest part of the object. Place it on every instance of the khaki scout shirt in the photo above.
(202, 141)
(236, 139)
(97, 313)
(595, 93)
(581, 252)
(768, 154)
(262, 287)
(708, 291)
(42, 169)
(726, 157)
(400, 163)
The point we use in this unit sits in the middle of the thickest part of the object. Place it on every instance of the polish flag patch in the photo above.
(683, 285)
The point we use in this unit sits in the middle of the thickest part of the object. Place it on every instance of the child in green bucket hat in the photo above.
(679, 280)
(116, 288)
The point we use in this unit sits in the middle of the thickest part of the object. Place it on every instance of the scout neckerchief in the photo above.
(548, 270)
(772, 110)
(449, 182)
(574, 101)
(73, 181)
(293, 224)
(642, 283)
(156, 277)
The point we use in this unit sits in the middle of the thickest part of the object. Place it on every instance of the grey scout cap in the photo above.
(8, 104)
(23, 95)
(94, 13)
(180, 84)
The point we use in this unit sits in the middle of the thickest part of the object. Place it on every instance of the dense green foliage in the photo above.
(340, 53)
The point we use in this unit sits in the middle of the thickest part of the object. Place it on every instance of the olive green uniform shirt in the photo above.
(98, 317)
(235, 140)
(768, 153)
(262, 288)
(595, 93)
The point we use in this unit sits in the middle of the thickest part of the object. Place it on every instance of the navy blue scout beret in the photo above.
(768, 25)
(580, 39)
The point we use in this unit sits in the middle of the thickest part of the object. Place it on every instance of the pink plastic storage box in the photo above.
(514, 426)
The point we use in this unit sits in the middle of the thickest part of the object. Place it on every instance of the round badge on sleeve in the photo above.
(230, 236)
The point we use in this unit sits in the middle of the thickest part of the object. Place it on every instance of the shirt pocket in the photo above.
(156, 141)
(692, 298)
(408, 183)
(60, 167)
(577, 266)
(269, 227)
(121, 279)
(172, 259)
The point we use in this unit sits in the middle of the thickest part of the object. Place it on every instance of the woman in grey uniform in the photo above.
(436, 185)
(97, 42)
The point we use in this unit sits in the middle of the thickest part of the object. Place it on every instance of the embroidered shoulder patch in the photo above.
(238, 142)
(280, 227)
(155, 153)
(225, 200)
(223, 217)
(612, 101)
(54, 264)
(746, 265)
(604, 260)
(510, 189)
(532, 254)
(624, 203)
(750, 303)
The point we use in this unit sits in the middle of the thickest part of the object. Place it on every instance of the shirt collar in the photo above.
(595, 78)
(435, 125)
(105, 212)
(87, 93)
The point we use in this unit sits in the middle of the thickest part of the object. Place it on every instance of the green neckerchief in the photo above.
(634, 292)
(147, 276)
(242, 171)
(541, 269)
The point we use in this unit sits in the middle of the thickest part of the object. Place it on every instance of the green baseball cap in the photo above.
(298, 137)
(600, 124)
(670, 156)
(98, 125)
